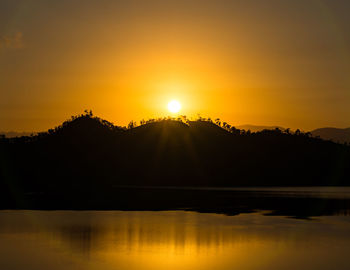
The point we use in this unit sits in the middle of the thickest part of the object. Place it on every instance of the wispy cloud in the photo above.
(14, 41)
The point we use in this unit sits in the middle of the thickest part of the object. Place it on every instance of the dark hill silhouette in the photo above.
(89, 163)
(88, 154)
(335, 134)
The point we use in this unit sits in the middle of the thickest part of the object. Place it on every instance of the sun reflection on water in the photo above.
(168, 240)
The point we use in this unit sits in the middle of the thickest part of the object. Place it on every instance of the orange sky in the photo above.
(283, 63)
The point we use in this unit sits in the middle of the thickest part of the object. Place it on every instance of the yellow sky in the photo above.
(271, 62)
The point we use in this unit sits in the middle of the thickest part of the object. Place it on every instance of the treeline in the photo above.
(88, 114)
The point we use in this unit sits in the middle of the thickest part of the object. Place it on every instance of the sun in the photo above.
(174, 106)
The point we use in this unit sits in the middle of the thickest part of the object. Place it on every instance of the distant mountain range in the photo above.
(340, 135)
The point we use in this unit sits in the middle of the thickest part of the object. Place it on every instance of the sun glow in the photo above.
(174, 106)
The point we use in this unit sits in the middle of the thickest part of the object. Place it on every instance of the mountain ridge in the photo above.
(340, 135)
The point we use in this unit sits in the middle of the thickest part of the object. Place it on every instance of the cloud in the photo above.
(12, 41)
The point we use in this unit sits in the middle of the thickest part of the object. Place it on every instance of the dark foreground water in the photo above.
(177, 239)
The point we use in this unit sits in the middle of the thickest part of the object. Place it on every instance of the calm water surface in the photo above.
(170, 240)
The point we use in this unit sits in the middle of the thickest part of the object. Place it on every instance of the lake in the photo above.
(179, 239)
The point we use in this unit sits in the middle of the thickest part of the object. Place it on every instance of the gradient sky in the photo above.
(276, 62)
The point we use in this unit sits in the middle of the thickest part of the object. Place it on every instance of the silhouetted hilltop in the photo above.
(335, 134)
(88, 153)
(83, 127)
